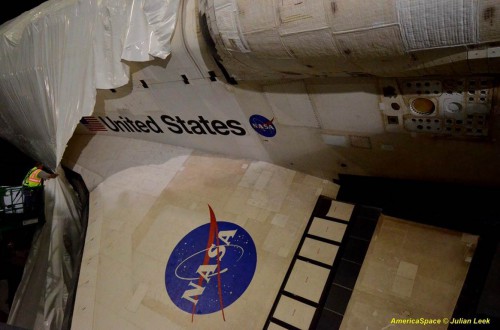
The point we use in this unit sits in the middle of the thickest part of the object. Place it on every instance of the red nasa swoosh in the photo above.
(213, 234)
(268, 123)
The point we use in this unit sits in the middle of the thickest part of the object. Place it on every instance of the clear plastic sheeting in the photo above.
(52, 60)
(153, 18)
(54, 56)
(44, 88)
(40, 300)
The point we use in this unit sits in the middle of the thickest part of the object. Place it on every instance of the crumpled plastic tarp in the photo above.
(41, 297)
(54, 56)
(52, 60)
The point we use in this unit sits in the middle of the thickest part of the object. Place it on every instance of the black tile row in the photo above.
(347, 266)
(362, 227)
(329, 321)
(338, 298)
(346, 274)
(355, 250)
(345, 270)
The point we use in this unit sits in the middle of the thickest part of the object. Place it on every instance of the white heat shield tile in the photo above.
(489, 20)
(319, 251)
(294, 312)
(226, 15)
(402, 286)
(274, 326)
(297, 16)
(431, 24)
(335, 101)
(137, 298)
(254, 18)
(266, 43)
(291, 105)
(368, 14)
(327, 229)
(335, 140)
(407, 270)
(307, 280)
(340, 210)
(377, 42)
(311, 43)
(360, 141)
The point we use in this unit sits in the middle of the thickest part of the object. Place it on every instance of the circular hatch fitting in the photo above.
(422, 106)
(454, 107)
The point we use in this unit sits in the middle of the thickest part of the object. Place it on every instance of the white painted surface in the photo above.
(151, 195)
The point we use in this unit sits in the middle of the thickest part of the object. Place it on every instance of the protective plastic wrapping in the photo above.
(45, 77)
(41, 297)
(52, 59)
(54, 56)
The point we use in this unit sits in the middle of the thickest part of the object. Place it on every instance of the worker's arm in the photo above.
(45, 175)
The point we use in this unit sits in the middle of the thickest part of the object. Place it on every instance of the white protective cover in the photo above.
(52, 60)
(53, 57)
(41, 297)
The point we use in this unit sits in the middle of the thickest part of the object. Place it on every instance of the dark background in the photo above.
(16, 8)
(14, 164)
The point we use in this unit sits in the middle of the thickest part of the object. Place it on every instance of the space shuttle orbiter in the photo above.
(394, 88)
(340, 76)
(353, 86)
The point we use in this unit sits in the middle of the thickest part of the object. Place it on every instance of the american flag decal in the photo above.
(92, 124)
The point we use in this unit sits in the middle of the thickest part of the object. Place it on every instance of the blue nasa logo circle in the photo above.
(262, 125)
(203, 278)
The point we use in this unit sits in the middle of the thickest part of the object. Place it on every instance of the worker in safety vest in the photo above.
(33, 192)
(36, 175)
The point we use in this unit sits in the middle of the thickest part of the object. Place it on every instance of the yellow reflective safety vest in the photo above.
(31, 179)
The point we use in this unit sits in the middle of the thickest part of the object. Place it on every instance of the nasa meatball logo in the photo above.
(262, 125)
(211, 267)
